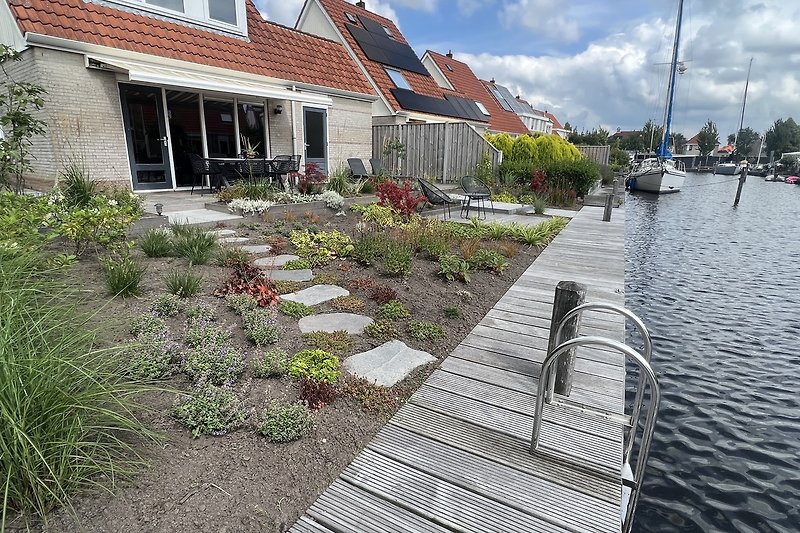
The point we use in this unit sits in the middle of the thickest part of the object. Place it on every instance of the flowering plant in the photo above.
(245, 206)
(332, 199)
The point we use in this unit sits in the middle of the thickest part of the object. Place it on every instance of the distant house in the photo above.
(453, 75)
(621, 135)
(535, 120)
(557, 127)
(692, 146)
(134, 88)
(407, 91)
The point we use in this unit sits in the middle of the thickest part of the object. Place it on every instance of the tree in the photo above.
(633, 143)
(19, 125)
(708, 138)
(679, 142)
(783, 136)
(652, 135)
(731, 138)
(591, 138)
(746, 140)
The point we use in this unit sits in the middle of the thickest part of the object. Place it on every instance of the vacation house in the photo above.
(134, 87)
(407, 91)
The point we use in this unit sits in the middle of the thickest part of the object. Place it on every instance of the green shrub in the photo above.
(393, 310)
(503, 142)
(104, 222)
(578, 175)
(397, 259)
(67, 408)
(540, 234)
(202, 311)
(488, 260)
(380, 215)
(183, 283)
(165, 305)
(76, 184)
(297, 264)
(232, 256)
(320, 248)
(452, 312)
(210, 411)
(285, 423)
(156, 242)
(504, 197)
(240, 303)
(194, 243)
(382, 330)
(424, 331)
(315, 365)
(152, 356)
(295, 309)
(539, 203)
(369, 248)
(335, 341)
(200, 333)
(147, 324)
(214, 364)
(339, 180)
(434, 243)
(273, 363)
(496, 230)
(454, 268)
(123, 276)
(352, 304)
(259, 324)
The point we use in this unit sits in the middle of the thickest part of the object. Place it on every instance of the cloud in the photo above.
(545, 16)
(281, 11)
(469, 7)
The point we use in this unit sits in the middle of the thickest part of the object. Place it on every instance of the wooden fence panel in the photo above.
(440, 152)
(598, 154)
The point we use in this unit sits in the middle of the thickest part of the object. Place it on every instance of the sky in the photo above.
(603, 63)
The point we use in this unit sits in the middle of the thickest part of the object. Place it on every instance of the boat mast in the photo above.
(744, 103)
(663, 150)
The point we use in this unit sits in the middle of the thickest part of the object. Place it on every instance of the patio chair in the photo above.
(255, 169)
(358, 169)
(377, 166)
(475, 191)
(436, 196)
(202, 168)
(283, 165)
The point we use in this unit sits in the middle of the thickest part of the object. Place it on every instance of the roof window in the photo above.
(448, 67)
(388, 31)
(397, 78)
(351, 17)
(224, 15)
(482, 108)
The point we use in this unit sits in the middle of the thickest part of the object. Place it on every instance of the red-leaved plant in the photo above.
(404, 200)
(538, 178)
(249, 279)
(312, 176)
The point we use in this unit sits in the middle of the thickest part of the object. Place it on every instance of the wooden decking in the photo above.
(456, 457)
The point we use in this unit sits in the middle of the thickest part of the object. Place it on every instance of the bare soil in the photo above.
(241, 482)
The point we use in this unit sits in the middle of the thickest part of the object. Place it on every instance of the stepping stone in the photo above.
(257, 249)
(387, 364)
(233, 240)
(275, 261)
(223, 232)
(317, 294)
(290, 275)
(330, 322)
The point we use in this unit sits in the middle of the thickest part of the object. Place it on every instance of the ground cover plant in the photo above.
(285, 423)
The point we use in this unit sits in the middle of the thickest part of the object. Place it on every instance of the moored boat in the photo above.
(727, 169)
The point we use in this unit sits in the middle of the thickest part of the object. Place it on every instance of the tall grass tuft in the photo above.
(156, 242)
(67, 419)
(123, 276)
(184, 284)
(194, 243)
(76, 184)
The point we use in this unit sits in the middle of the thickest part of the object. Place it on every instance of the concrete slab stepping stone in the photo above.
(233, 240)
(257, 248)
(317, 294)
(330, 322)
(387, 364)
(223, 232)
(275, 261)
(290, 275)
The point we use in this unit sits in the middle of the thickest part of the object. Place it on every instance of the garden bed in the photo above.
(240, 481)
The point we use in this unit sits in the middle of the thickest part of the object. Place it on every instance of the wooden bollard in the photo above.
(608, 208)
(569, 295)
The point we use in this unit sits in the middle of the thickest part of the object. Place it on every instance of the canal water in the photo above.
(719, 288)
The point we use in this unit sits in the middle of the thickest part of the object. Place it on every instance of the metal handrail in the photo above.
(649, 427)
(646, 352)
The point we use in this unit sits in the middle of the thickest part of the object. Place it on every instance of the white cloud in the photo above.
(468, 7)
(545, 16)
(281, 11)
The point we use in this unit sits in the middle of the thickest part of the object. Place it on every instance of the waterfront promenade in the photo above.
(456, 456)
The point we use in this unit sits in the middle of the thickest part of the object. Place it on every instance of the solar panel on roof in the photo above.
(468, 108)
(516, 105)
(379, 47)
(452, 106)
(501, 100)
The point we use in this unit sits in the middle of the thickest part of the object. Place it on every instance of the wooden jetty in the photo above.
(456, 457)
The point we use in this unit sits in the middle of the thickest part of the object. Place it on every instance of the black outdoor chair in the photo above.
(283, 165)
(255, 169)
(436, 196)
(202, 168)
(377, 166)
(475, 191)
(358, 169)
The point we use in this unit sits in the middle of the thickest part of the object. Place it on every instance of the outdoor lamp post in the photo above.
(159, 208)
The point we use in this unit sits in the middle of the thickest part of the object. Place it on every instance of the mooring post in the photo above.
(569, 295)
(608, 207)
(742, 179)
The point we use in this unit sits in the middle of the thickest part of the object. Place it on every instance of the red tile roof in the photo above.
(556, 124)
(694, 140)
(272, 50)
(419, 83)
(469, 86)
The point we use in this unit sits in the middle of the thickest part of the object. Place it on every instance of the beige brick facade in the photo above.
(349, 131)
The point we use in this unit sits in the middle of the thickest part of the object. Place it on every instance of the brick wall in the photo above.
(349, 131)
(83, 116)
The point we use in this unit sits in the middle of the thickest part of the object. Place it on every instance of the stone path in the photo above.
(257, 249)
(289, 275)
(316, 295)
(233, 240)
(223, 233)
(275, 261)
(330, 322)
(387, 364)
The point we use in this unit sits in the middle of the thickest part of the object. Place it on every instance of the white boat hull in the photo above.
(728, 169)
(659, 181)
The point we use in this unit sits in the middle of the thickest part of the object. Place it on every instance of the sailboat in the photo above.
(734, 168)
(662, 174)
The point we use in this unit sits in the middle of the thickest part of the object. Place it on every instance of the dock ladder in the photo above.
(631, 477)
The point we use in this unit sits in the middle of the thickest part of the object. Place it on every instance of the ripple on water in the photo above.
(707, 279)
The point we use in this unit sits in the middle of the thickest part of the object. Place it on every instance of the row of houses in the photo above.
(692, 146)
(135, 87)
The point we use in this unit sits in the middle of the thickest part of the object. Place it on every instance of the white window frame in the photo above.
(195, 12)
(482, 108)
(391, 71)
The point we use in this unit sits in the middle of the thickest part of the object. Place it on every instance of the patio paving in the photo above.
(387, 364)
(316, 295)
(330, 322)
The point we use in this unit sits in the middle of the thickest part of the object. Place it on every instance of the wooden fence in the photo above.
(598, 154)
(440, 152)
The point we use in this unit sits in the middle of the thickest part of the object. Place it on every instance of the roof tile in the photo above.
(272, 50)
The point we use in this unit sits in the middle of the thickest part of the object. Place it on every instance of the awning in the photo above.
(188, 79)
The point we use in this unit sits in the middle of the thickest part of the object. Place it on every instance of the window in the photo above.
(397, 78)
(174, 5)
(388, 31)
(482, 108)
(351, 18)
(449, 67)
(222, 10)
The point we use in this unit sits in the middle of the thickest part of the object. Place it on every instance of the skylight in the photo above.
(388, 32)
(397, 78)
(482, 108)
(225, 15)
(449, 67)
(351, 18)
